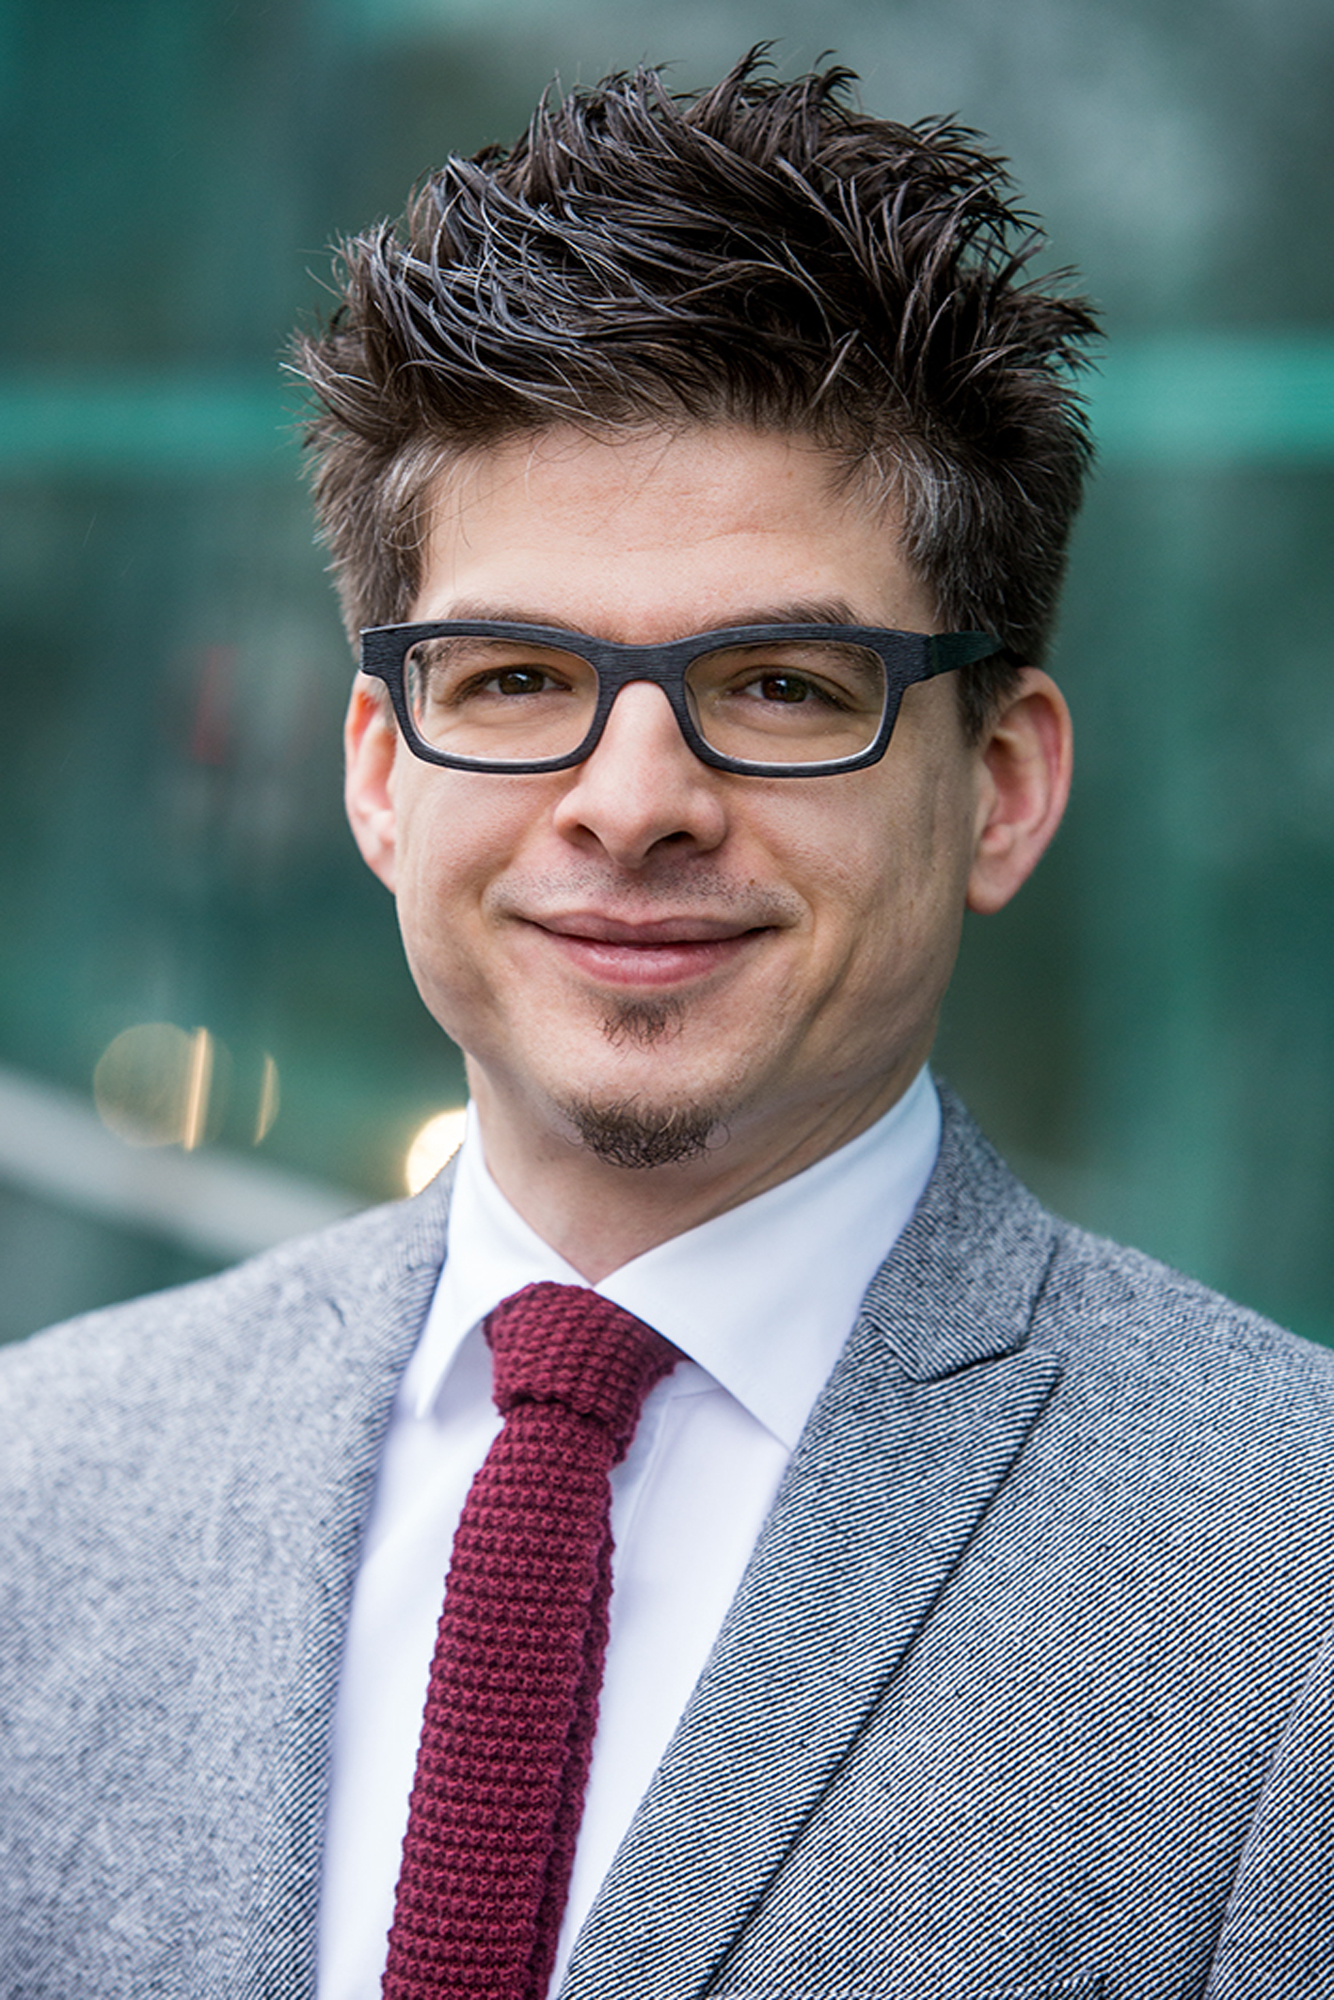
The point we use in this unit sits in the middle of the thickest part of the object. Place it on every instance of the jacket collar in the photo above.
(960, 1285)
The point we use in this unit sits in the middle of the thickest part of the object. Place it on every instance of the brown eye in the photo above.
(784, 687)
(521, 680)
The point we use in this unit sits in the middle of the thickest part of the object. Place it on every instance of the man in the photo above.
(971, 1575)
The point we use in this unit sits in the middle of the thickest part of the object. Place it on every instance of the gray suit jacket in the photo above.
(1022, 1696)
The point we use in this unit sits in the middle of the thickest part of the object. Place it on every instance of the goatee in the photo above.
(630, 1135)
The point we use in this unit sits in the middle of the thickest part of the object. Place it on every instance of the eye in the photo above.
(791, 689)
(787, 689)
(521, 680)
(516, 683)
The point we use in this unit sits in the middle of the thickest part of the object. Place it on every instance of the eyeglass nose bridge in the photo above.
(663, 667)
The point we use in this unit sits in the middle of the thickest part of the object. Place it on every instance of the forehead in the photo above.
(658, 534)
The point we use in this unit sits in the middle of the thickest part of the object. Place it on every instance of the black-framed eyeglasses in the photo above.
(774, 701)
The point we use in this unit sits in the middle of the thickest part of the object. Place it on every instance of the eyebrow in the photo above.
(803, 611)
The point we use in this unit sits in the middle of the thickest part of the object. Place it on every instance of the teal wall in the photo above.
(1150, 1029)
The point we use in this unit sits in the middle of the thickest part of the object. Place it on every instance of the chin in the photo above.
(630, 1133)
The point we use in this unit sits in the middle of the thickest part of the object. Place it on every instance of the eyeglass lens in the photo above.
(806, 701)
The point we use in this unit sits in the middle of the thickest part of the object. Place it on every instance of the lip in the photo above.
(593, 925)
(661, 951)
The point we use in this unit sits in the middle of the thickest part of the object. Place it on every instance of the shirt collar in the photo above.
(761, 1297)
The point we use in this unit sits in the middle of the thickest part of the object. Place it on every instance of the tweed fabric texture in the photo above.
(511, 1707)
(1022, 1696)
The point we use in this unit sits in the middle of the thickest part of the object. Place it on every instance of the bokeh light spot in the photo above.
(152, 1082)
(437, 1140)
(269, 1100)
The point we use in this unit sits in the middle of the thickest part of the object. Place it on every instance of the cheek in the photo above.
(456, 830)
(447, 851)
(888, 889)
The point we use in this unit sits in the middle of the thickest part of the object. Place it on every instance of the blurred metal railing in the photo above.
(216, 1204)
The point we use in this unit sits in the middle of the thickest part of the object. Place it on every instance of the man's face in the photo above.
(643, 954)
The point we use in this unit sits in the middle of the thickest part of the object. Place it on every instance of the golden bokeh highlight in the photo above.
(152, 1082)
(435, 1142)
(198, 1085)
(160, 1085)
(269, 1100)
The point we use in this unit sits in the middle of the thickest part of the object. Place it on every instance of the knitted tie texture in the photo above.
(511, 1707)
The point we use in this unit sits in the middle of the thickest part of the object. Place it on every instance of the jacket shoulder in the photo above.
(1107, 1303)
(1113, 1316)
(1085, 1295)
(197, 1346)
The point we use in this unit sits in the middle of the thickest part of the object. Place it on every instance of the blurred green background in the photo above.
(1149, 1031)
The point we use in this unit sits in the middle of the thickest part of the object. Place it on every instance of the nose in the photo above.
(643, 788)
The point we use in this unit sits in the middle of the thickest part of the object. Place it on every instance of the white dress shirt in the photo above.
(760, 1301)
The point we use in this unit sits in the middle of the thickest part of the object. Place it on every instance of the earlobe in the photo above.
(1026, 757)
(370, 746)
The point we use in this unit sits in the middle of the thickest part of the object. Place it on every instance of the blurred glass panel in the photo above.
(1149, 1030)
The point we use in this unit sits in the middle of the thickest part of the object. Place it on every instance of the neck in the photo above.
(599, 1215)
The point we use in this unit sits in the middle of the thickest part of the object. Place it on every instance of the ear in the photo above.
(370, 745)
(1026, 755)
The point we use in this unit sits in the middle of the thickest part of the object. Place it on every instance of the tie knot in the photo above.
(564, 1344)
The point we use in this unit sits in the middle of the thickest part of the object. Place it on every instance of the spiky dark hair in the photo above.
(759, 253)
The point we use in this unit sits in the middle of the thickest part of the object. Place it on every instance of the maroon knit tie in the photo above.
(512, 1702)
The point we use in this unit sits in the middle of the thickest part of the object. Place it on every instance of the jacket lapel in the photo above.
(313, 1440)
(927, 1410)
